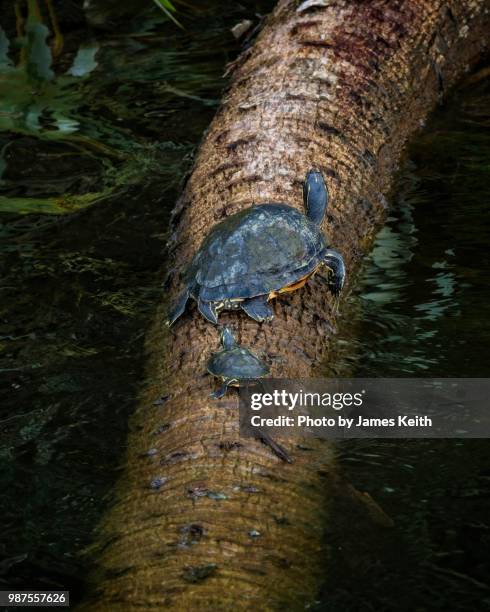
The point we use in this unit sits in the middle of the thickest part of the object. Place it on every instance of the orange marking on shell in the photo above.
(296, 285)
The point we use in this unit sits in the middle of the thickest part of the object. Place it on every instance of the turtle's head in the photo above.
(227, 338)
(315, 196)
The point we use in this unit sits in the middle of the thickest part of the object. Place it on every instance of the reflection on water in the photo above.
(421, 308)
(422, 299)
(73, 136)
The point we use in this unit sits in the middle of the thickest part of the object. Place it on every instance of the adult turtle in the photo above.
(233, 364)
(260, 252)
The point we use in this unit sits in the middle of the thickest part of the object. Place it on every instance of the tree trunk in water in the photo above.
(339, 88)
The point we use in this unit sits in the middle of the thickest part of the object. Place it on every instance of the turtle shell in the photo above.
(254, 252)
(237, 362)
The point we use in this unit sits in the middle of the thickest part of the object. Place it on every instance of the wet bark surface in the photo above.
(201, 518)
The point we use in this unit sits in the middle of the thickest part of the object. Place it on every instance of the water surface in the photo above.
(96, 138)
(421, 308)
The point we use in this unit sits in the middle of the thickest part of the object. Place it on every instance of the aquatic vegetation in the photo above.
(86, 110)
(169, 9)
(95, 138)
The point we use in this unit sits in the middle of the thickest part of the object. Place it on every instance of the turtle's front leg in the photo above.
(334, 261)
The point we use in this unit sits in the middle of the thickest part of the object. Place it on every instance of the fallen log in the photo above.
(201, 518)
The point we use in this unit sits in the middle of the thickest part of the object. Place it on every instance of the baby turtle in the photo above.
(258, 253)
(233, 364)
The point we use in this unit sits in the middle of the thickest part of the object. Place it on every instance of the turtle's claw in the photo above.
(336, 267)
(336, 286)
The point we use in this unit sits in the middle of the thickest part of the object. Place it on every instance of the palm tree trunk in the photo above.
(341, 88)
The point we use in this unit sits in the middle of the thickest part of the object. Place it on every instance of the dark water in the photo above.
(421, 308)
(94, 147)
(94, 144)
(422, 302)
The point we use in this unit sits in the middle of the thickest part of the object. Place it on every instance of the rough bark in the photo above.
(339, 88)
